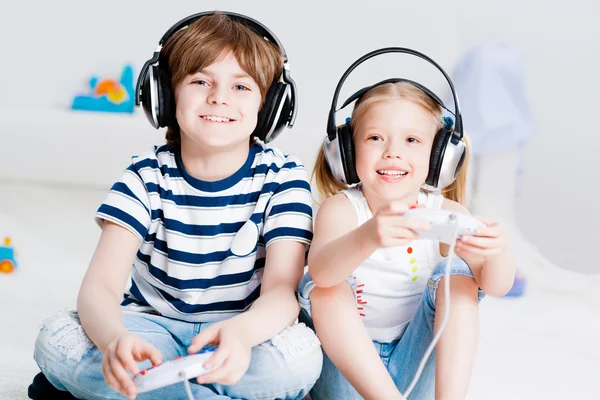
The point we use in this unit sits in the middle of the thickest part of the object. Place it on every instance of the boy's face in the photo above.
(218, 106)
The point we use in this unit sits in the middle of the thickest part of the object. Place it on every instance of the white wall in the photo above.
(51, 48)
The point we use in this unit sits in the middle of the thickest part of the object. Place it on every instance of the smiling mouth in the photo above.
(214, 118)
(391, 172)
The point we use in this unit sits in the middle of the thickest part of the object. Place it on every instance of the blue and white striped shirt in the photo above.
(189, 266)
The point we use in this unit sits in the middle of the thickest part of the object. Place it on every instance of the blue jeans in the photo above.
(285, 367)
(402, 356)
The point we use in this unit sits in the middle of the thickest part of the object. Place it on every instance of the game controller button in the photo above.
(143, 372)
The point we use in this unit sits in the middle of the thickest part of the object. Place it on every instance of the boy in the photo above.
(216, 227)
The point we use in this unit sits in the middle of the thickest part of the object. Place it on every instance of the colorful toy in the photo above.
(108, 94)
(7, 257)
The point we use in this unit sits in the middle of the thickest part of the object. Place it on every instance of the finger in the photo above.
(396, 242)
(392, 236)
(125, 356)
(487, 221)
(148, 352)
(393, 208)
(416, 224)
(481, 242)
(218, 357)
(231, 378)
(489, 231)
(217, 375)
(126, 385)
(399, 221)
(109, 377)
(404, 234)
(463, 253)
(125, 382)
(208, 336)
(477, 250)
(112, 380)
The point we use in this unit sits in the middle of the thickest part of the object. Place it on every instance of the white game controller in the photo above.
(177, 370)
(444, 223)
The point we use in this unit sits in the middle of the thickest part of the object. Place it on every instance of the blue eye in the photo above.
(374, 138)
(200, 82)
(412, 140)
(241, 87)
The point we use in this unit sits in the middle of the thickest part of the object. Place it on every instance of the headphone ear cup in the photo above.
(165, 99)
(347, 152)
(437, 157)
(148, 86)
(284, 112)
(272, 117)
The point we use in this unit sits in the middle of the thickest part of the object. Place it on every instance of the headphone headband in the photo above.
(364, 90)
(256, 26)
(331, 129)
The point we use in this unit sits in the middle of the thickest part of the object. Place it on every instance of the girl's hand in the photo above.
(489, 241)
(390, 228)
(232, 351)
(121, 355)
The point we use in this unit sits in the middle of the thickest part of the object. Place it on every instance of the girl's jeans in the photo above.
(402, 356)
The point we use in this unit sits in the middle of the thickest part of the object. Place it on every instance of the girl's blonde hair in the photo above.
(326, 182)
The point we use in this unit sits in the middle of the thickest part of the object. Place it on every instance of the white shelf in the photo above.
(71, 147)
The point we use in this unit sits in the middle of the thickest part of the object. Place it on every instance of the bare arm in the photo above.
(339, 246)
(271, 313)
(101, 292)
(488, 254)
(329, 260)
(277, 306)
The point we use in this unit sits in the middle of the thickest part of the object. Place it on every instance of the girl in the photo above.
(373, 286)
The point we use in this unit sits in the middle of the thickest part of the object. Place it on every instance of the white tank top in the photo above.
(391, 281)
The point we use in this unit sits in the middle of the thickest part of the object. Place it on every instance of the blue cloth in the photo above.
(401, 357)
(490, 82)
(285, 367)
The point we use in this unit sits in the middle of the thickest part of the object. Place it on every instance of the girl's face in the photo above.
(393, 142)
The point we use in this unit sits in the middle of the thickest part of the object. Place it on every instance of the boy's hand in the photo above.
(390, 228)
(489, 241)
(121, 355)
(232, 351)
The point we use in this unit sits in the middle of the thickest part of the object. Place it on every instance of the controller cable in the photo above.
(186, 382)
(453, 221)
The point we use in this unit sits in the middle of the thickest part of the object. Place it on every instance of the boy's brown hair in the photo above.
(208, 39)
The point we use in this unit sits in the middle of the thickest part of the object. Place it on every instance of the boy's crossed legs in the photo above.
(285, 367)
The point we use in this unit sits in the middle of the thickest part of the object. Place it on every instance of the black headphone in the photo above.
(448, 150)
(154, 91)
